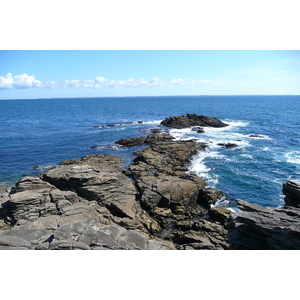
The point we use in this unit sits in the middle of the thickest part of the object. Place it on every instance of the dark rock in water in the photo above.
(291, 190)
(256, 136)
(155, 130)
(190, 120)
(228, 145)
(140, 122)
(198, 129)
(265, 228)
(130, 142)
(107, 126)
(148, 140)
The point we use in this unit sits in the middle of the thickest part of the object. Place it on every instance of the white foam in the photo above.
(259, 136)
(150, 122)
(198, 167)
(247, 156)
(226, 204)
(239, 123)
(293, 157)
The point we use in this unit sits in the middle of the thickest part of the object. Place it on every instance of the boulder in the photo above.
(219, 214)
(190, 120)
(96, 179)
(208, 197)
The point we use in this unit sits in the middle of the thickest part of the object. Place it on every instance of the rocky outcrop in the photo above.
(190, 120)
(291, 190)
(78, 235)
(147, 140)
(154, 204)
(91, 193)
(266, 228)
(175, 199)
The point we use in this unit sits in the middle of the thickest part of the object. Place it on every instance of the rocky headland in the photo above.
(155, 203)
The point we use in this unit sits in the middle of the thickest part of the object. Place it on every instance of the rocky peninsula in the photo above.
(154, 204)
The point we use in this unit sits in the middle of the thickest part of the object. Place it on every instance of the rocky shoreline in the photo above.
(155, 203)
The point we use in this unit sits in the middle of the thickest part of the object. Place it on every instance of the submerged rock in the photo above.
(190, 120)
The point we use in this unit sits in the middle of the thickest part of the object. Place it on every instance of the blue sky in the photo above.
(26, 74)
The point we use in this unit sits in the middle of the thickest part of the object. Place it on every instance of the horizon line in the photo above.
(140, 96)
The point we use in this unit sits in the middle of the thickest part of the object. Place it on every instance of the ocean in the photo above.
(44, 132)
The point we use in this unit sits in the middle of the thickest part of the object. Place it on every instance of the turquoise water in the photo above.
(44, 132)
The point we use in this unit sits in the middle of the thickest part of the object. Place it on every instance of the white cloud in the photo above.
(25, 81)
(189, 82)
(19, 81)
(100, 79)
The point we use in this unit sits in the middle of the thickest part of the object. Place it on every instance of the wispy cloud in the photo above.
(29, 81)
(186, 81)
(250, 83)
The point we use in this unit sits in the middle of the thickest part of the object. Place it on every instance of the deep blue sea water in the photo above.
(44, 132)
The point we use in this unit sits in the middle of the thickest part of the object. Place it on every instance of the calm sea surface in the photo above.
(44, 132)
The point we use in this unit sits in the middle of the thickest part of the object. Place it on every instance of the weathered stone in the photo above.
(31, 183)
(208, 197)
(95, 182)
(291, 190)
(134, 141)
(265, 228)
(190, 120)
(219, 214)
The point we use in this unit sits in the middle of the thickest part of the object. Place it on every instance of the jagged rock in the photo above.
(291, 190)
(198, 129)
(256, 136)
(265, 228)
(134, 141)
(148, 140)
(190, 120)
(96, 181)
(219, 214)
(79, 235)
(208, 197)
(29, 183)
(228, 145)
(169, 158)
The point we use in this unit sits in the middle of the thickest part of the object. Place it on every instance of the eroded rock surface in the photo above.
(265, 228)
(190, 120)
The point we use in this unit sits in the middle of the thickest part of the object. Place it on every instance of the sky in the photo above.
(30, 74)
